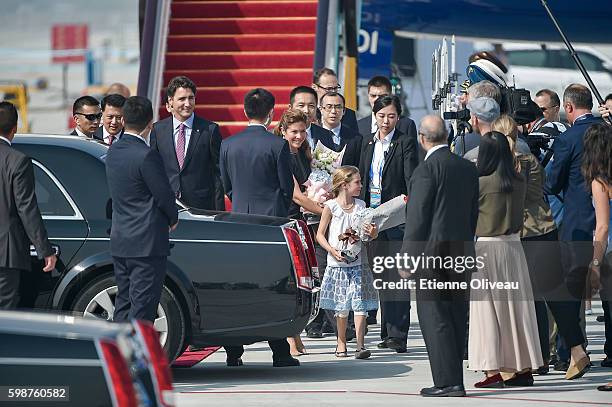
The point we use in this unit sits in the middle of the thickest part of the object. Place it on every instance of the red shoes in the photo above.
(491, 382)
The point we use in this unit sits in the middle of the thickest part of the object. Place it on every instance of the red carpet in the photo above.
(228, 47)
(188, 359)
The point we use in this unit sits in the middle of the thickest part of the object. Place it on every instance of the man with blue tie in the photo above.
(144, 211)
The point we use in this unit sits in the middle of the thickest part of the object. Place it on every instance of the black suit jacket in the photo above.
(199, 182)
(143, 204)
(400, 162)
(20, 220)
(325, 136)
(404, 124)
(256, 172)
(99, 134)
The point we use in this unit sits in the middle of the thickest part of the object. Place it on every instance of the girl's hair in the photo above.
(385, 101)
(597, 155)
(342, 175)
(289, 117)
(507, 126)
(494, 155)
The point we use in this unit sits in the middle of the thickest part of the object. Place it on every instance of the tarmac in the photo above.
(386, 378)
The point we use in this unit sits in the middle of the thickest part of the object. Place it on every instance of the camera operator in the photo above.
(549, 102)
(606, 109)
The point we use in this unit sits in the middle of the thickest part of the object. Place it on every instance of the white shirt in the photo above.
(106, 135)
(434, 149)
(336, 133)
(80, 133)
(7, 140)
(374, 124)
(309, 137)
(258, 124)
(378, 158)
(137, 136)
(188, 127)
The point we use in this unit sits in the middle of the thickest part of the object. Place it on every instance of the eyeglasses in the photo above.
(92, 117)
(330, 89)
(329, 108)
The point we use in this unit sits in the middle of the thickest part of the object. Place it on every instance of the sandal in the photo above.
(341, 354)
(362, 353)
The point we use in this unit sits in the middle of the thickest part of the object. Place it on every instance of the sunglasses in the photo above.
(92, 117)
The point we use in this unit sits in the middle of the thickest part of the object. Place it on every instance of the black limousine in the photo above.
(232, 279)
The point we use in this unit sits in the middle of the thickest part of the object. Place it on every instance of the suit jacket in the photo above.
(199, 181)
(442, 209)
(99, 134)
(20, 220)
(325, 136)
(400, 162)
(143, 204)
(404, 124)
(348, 138)
(256, 172)
(565, 176)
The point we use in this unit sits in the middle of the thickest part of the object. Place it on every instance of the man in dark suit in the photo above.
(189, 146)
(87, 115)
(20, 220)
(441, 217)
(304, 99)
(256, 173)
(112, 119)
(325, 80)
(387, 162)
(342, 137)
(144, 211)
(380, 86)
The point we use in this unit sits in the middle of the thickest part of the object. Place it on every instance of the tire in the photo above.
(97, 300)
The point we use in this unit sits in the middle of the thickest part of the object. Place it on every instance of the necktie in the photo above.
(180, 146)
(111, 138)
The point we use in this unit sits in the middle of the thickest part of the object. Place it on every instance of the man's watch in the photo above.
(595, 263)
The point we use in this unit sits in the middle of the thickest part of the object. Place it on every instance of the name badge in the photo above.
(375, 197)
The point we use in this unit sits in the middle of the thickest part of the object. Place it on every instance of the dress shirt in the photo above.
(309, 137)
(433, 149)
(138, 136)
(378, 158)
(80, 133)
(188, 127)
(7, 140)
(106, 135)
(336, 133)
(374, 124)
(259, 124)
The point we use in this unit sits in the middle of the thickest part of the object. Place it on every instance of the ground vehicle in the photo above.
(552, 67)
(232, 279)
(95, 362)
(16, 92)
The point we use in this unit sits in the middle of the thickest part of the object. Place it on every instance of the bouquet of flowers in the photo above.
(390, 214)
(324, 162)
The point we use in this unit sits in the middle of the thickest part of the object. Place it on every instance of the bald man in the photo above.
(119, 89)
(441, 218)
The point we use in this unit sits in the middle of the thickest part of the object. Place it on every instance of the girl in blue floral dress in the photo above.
(347, 283)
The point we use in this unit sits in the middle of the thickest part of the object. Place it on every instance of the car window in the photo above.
(51, 200)
(534, 58)
(591, 62)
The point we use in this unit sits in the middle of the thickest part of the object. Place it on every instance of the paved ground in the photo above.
(386, 378)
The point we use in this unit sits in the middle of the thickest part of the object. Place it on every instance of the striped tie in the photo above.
(180, 146)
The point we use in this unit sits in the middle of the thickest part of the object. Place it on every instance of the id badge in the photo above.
(374, 197)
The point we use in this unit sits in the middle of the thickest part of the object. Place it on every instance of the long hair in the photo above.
(343, 175)
(597, 155)
(289, 117)
(507, 126)
(494, 155)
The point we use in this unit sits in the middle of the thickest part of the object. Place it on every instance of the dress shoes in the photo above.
(286, 362)
(578, 369)
(605, 387)
(450, 391)
(234, 362)
(397, 345)
(520, 380)
(495, 381)
(607, 362)
(382, 345)
(542, 370)
(561, 366)
(312, 334)
(371, 321)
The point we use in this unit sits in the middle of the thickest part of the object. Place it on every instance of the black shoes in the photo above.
(234, 362)
(312, 334)
(561, 366)
(382, 345)
(371, 321)
(392, 343)
(286, 362)
(607, 362)
(520, 380)
(450, 391)
(542, 370)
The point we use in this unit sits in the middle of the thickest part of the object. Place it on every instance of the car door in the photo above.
(66, 229)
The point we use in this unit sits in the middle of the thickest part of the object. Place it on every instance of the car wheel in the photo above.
(97, 300)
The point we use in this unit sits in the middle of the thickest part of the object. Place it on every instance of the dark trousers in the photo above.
(444, 327)
(279, 347)
(394, 304)
(606, 300)
(9, 288)
(139, 281)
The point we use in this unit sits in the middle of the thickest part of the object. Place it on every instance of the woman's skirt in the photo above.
(348, 289)
(503, 333)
